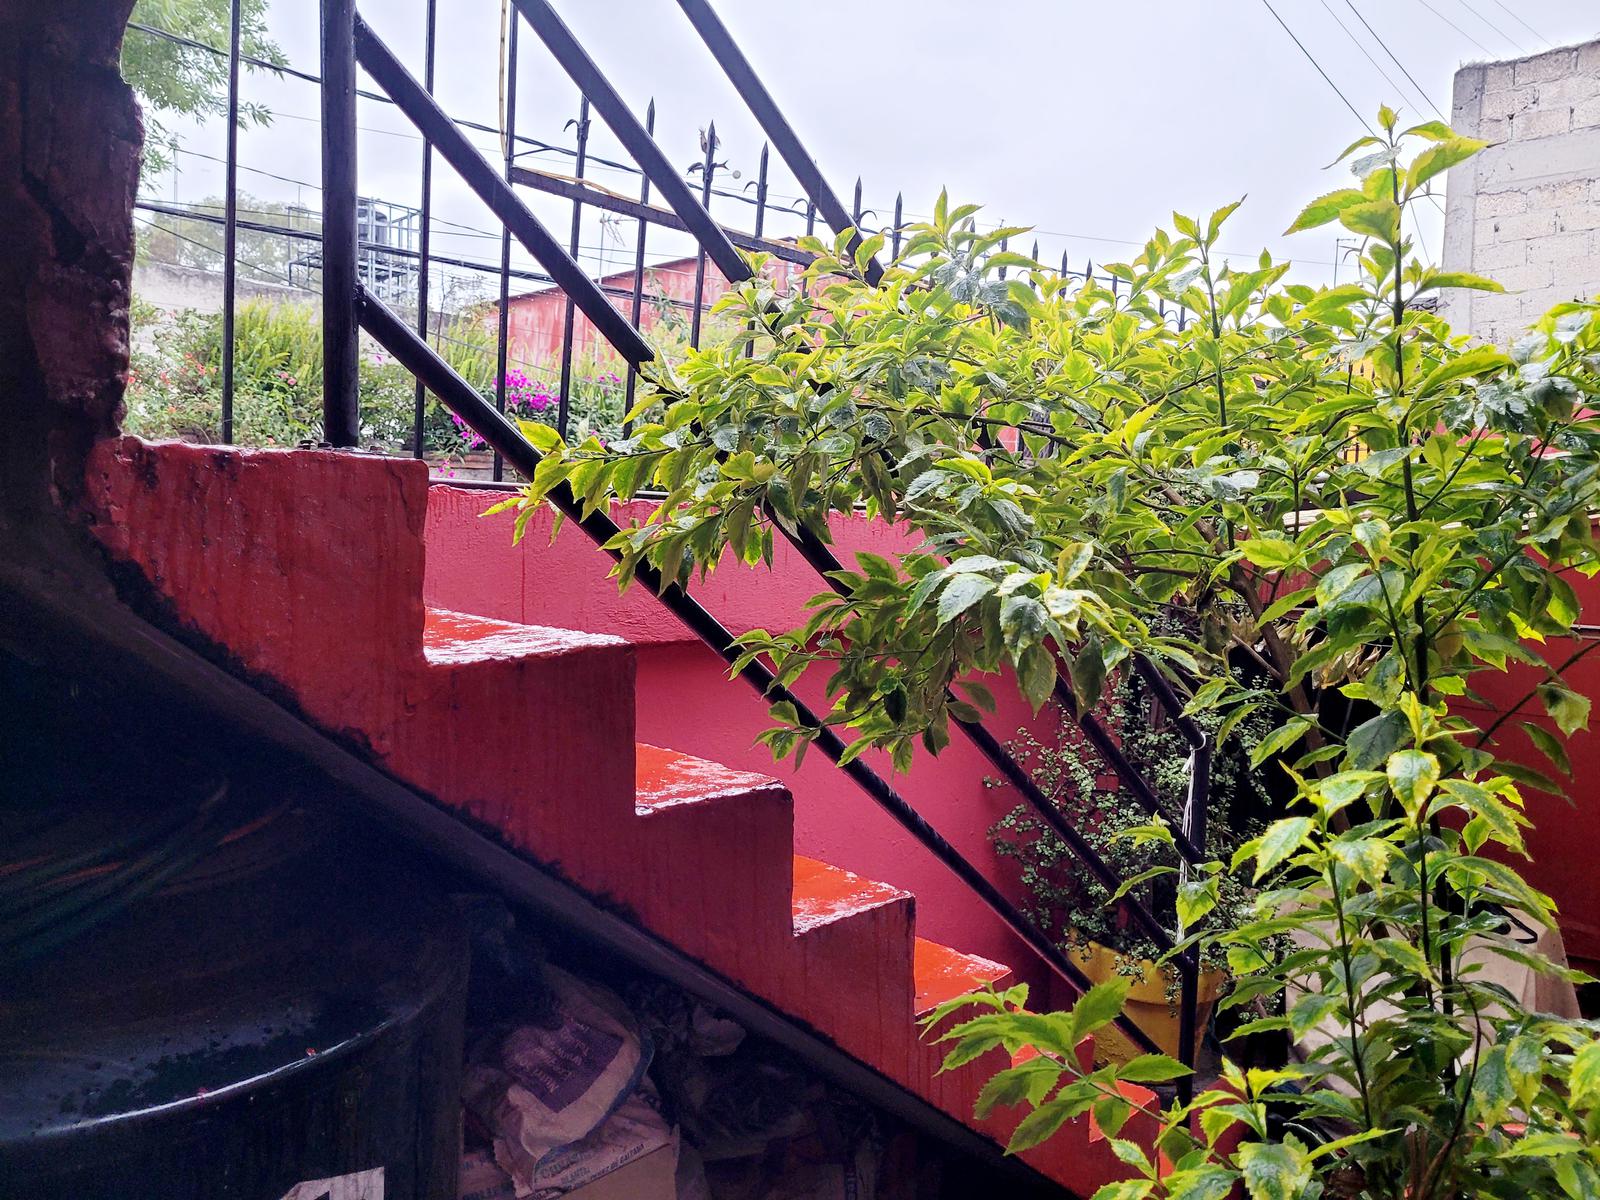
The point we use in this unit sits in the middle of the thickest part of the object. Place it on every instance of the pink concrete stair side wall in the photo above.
(306, 569)
(685, 700)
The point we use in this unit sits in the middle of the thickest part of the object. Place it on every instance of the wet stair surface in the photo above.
(307, 567)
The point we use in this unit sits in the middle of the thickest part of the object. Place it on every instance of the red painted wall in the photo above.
(535, 320)
(686, 703)
(1565, 838)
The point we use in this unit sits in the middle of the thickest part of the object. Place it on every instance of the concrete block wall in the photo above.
(1526, 211)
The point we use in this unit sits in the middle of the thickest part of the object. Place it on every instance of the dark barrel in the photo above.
(287, 1012)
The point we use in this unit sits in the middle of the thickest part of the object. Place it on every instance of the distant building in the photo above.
(1526, 211)
(536, 320)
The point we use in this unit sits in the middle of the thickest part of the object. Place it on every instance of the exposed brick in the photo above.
(1566, 91)
(1546, 66)
(1516, 228)
(1556, 196)
(1559, 248)
(1511, 102)
(1536, 303)
(1492, 307)
(1528, 275)
(1499, 256)
(1497, 77)
(1541, 123)
(1580, 216)
(1502, 204)
(1586, 113)
(1493, 130)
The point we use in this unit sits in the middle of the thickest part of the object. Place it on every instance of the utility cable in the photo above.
(1312, 60)
(1515, 16)
(1421, 91)
(1521, 49)
(1456, 27)
(1398, 91)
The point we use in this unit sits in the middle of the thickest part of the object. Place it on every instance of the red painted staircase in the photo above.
(306, 567)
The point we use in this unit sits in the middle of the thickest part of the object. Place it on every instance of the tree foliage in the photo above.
(174, 79)
(1326, 483)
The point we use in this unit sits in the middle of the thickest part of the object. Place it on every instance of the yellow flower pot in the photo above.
(1147, 1004)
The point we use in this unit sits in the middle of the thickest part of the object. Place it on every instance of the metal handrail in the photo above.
(413, 352)
(462, 398)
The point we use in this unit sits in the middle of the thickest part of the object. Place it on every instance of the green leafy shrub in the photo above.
(175, 382)
(1204, 471)
(1069, 903)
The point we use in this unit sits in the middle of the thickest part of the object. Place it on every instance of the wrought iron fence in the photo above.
(353, 302)
(396, 241)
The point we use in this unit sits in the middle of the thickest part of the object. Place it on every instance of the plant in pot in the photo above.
(1073, 907)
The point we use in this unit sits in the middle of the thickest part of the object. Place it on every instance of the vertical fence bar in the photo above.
(761, 189)
(503, 327)
(637, 312)
(811, 229)
(707, 168)
(1004, 243)
(569, 320)
(429, 37)
(1195, 810)
(341, 416)
(899, 220)
(230, 221)
(855, 207)
(761, 220)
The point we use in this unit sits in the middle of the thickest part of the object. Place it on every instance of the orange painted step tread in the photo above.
(825, 893)
(451, 637)
(943, 974)
(665, 778)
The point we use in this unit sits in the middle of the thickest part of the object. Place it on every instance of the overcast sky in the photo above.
(1090, 121)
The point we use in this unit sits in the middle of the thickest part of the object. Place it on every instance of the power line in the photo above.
(1420, 90)
(535, 146)
(1398, 91)
(1521, 49)
(1512, 13)
(1456, 27)
(1317, 65)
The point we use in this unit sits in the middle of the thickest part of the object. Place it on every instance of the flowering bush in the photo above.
(175, 380)
(596, 406)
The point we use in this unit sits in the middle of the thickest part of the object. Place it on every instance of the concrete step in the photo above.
(711, 865)
(304, 571)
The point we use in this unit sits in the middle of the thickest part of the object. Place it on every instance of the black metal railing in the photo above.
(349, 307)
(421, 260)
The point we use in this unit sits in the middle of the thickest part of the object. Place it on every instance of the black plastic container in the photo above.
(289, 1011)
